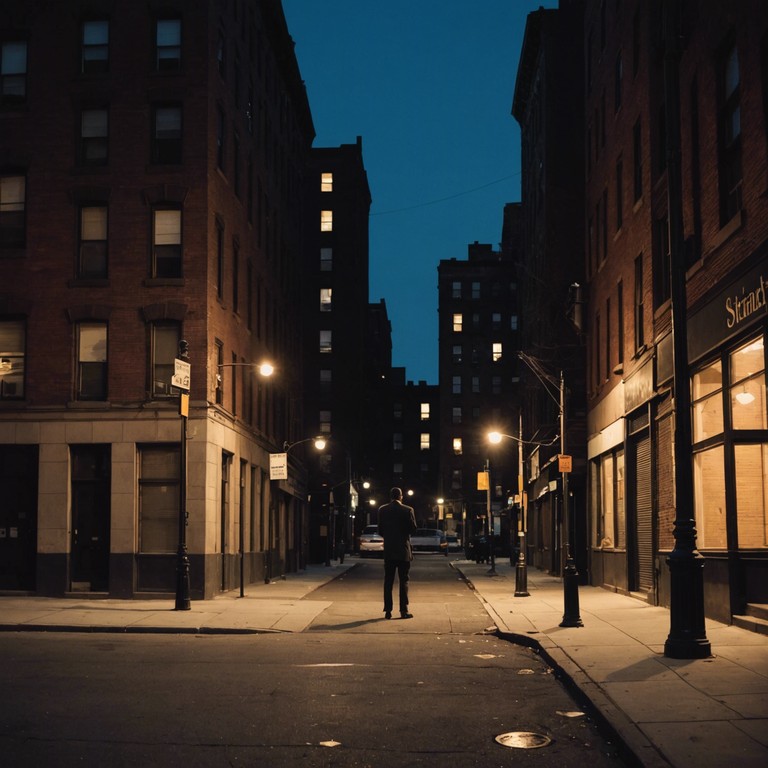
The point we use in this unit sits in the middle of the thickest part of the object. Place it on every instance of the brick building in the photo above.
(151, 190)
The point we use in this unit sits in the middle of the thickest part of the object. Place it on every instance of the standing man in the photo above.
(396, 524)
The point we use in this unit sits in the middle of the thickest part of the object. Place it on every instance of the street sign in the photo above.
(565, 463)
(181, 372)
(278, 466)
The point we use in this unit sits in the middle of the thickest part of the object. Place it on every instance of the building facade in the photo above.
(151, 175)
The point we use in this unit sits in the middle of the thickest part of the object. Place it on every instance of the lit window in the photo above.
(92, 251)
(95, 52)
(13, 72)
(326, 221)
(94, 136)
(12, 338)
(458, 321)
(92, 361)
(496, 354)
(326, 342)
(325, 299)
(326, 182)
(747, 374)
(13, 220)
(425, 411)
(168, 44)
(457, 446)
(424, 441)
(326, 259)
(166, 253)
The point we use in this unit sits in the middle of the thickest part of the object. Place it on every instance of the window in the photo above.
(326, 342)
(456, 479)
(92, 247)
(476, 290)
(13, 72)
(457, 353)
(639, 303)
(221, 55)
(637, 154)
(94, 136)
(164, 341)
(513, 322)
(397, 441)
(236, 276)
(326, 296)
(92, 361)
(496, 321)
(219, 395)
(326, 221)
(496, 351)
(729, 139)
(424, 408)
(661, 261)
(326, 182)
(619, 194)
(424, 441)
(166, 134)
(618, 76)
(458, 321)
(95, 52)
(456, 414)
(456, 385)
(166, 240)
(620, 322)
(457, 446)
(326, 377)
(752, 495)
(326, 259)
(496, 385)
(159, 486)
(608, 338)
(747, 386)
(608, 507)
(456, 290)
(12, 338)
(707, 402)
(168, 45)
(13, 219)
(220, 138)
(475, 385)
(709, 498)
(219, 258)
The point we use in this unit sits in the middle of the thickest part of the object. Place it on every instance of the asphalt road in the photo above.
(353, 690)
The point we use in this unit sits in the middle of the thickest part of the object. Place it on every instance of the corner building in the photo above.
(151, 173)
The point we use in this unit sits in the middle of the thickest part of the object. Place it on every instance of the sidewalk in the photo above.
(706, 713)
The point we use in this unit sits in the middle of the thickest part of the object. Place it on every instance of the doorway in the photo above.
(91, 518)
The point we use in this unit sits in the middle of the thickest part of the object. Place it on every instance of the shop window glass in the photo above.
(707, 402)
(747, 380)
(752, 495)
(158, 498)
(709, 498)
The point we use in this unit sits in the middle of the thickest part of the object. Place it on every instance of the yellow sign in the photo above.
(565, 463)
(184, 404)
(482, 481)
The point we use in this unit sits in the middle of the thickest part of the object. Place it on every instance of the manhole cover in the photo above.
(523, 740)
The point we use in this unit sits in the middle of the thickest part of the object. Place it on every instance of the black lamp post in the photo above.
(182, 559)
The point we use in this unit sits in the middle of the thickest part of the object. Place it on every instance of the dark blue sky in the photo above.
(428, 84)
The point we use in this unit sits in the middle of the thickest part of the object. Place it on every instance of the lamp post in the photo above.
(521, 569)
(181, 379)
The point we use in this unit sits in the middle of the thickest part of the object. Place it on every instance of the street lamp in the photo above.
(521, 570)
(181, 379)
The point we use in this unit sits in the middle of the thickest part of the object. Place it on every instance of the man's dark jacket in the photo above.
(396, 524)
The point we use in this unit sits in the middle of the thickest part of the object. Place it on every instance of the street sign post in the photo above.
(181, 374)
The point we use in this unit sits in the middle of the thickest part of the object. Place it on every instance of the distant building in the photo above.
(151, 185)
(478, 380)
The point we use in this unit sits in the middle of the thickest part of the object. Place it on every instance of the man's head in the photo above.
(396, 494)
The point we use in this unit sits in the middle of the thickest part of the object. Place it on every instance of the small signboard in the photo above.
(181, 372)
(482, 481)
(278, 466)
(564, 463)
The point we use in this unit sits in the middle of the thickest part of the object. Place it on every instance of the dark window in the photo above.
(166, 243)
(166, 134)
(639, 304)
(168, 44)
(661, 261)
(619, 193)
(95, 51)
(92, 361)
(637, 156)
(729, 114)
(94, 136)
(13, 218)
(92, 249)
(164, 346)
(13, 72)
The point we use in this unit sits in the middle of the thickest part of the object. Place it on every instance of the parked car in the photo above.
(429, 540)
(371, 543)
(454, 542)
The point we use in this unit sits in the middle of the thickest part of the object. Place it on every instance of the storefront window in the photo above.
(607, 501)
(747, 380)
(709, 498)
(752, 495)
(707, 402)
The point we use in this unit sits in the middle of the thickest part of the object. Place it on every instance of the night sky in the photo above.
(428, 84)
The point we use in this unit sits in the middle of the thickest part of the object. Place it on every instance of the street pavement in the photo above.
(708, 712)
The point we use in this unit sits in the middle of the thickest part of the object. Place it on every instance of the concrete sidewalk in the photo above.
(706, 713)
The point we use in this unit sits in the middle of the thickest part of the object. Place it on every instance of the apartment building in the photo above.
(151, 192)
